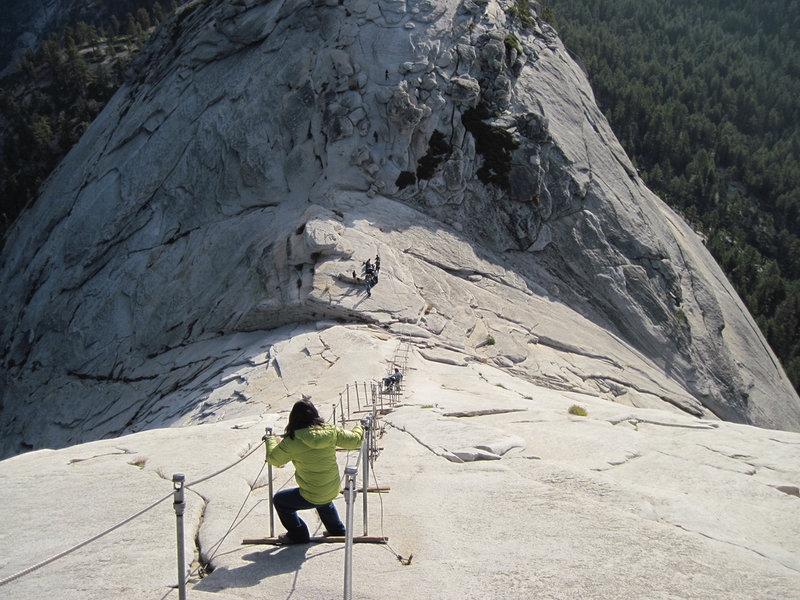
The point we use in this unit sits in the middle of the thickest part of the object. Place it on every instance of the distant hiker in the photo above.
(392, 382)
(310, 444)
(371, 274)
(377, 263)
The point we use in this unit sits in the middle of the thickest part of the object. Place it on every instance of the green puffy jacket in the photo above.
(313, 453)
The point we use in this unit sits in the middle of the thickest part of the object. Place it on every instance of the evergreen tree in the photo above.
(705, 98)
(143, 19)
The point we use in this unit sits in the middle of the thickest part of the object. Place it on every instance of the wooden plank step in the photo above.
(329, 539)
(380, 488)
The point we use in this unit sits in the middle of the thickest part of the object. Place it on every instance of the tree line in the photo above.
(705, 99)
(58, 88)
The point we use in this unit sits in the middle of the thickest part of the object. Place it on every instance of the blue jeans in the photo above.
(288, 502)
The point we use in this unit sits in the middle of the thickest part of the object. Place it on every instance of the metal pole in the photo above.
(350, 473)
(365, 468)
(178, 504)
(269, 476)
(373, 439)
(374, 433)
(374, 413)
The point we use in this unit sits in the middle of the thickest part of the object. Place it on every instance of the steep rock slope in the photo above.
(624, 503)
(262, 150)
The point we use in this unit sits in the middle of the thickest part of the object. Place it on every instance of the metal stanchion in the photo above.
(350, 491)
(268, 432)
(178, 504)
(374, 418)
(373, 437)
(365, 443)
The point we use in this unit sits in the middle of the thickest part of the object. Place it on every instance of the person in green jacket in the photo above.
(310, 444)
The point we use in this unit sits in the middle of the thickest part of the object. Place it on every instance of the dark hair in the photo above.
(304, 414)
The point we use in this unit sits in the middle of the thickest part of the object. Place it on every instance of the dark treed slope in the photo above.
(58, 87)
(705, 98)
(25, 22)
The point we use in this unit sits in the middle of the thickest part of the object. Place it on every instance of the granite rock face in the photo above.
(261, 151)
(492, 483)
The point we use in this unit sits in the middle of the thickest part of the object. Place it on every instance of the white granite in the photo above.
(220, 203)
(624, 503)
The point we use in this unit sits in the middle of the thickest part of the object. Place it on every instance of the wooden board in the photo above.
(329, 539)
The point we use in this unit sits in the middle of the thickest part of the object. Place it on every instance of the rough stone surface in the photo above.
(261, 151)
(187, 275)
(493, 486)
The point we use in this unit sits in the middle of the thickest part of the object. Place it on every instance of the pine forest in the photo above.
(705, 98)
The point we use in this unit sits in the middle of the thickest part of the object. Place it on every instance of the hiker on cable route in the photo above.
(371, 274)
(310, 444)
(392, 381)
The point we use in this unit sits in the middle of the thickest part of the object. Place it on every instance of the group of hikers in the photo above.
(310, 443)
(370, 272)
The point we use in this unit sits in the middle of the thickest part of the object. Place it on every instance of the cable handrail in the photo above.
(96, 537)
(218, 544)
(207, 477)
(82, 544)
(215, 547)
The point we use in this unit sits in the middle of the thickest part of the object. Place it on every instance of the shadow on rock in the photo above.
(262, 565)
(359, 284)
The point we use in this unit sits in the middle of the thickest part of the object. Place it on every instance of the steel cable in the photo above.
(94, 538)
(82, 544)
(207, 477)
(216, 546)
(403, 560)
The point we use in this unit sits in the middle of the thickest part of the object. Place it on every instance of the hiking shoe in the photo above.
(286, 540)
(329, 534)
